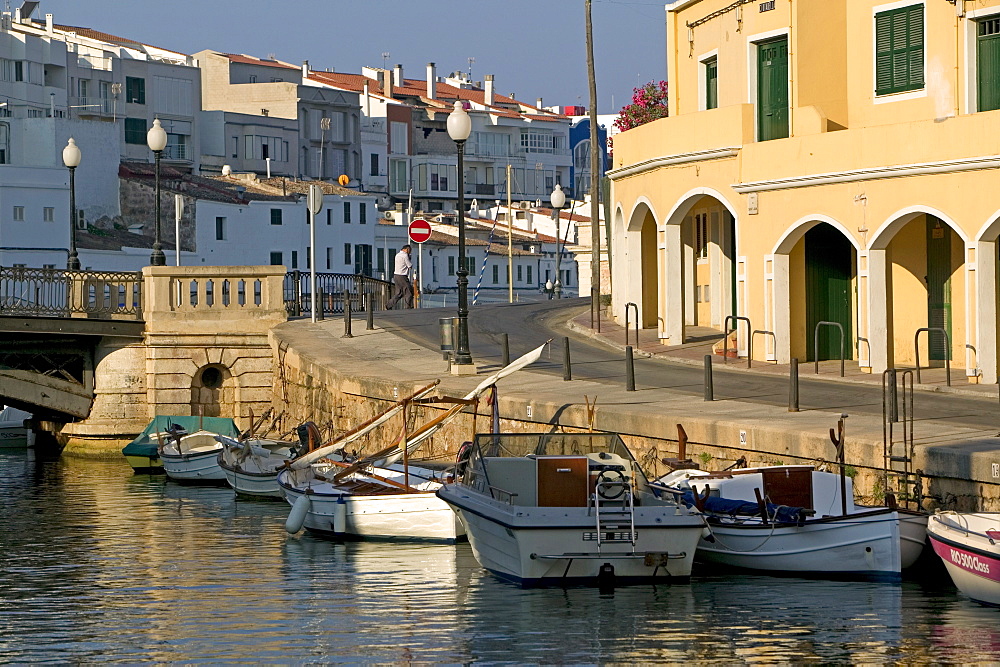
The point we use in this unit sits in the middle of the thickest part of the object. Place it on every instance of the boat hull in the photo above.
(145, 465)
(196, 468)
(404, 516)
(557, 546)
(870, 546)
(972, 562)
(252, 484)
(14, 436)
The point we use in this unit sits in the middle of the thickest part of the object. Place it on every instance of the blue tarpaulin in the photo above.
(145, 444)
(725, 506)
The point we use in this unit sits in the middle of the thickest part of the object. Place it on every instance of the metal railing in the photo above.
(840, 328)
(634, 306)
(735, 319)
(947, 350)
(28, 292)
(364, 292)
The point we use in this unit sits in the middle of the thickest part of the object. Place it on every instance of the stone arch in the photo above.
(917, 279)
(213, 391)
(642, 285)
(799, 228)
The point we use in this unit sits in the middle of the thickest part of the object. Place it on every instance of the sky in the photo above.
(534, 48)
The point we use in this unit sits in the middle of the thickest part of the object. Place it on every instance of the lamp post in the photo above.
(71, 158)
(156, 139)
(557, 199)
(459, 129)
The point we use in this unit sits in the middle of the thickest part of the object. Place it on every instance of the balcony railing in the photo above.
(364, 292)
(94, 106)
(60, 293)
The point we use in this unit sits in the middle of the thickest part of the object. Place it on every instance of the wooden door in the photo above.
(829, 291)
(562, 481)
(938, 286)
(772, 89)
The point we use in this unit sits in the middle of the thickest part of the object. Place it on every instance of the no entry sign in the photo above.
(419, 230)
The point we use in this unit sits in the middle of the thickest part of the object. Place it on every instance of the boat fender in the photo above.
(706, 534)
(297, 516)
(606, 578)
(462, 459)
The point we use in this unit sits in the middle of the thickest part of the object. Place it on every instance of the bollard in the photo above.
(629, 369)
(709, 388)
(371, 317)
(505, 349)
(319, 304)
(793, 386)
(347, 315)
(567, 370)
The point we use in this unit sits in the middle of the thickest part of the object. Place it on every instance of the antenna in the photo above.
(385, 59)
(472, 61)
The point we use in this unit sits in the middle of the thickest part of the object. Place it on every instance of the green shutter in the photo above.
(712, 84)
(772, 90)
(988, 65)
(899, 50)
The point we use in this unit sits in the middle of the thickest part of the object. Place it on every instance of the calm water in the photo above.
(99, 565)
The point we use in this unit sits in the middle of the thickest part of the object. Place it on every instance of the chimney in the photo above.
(305, 70)
(48, 24)
(368, 99)
(431, 80)
(397, 77)
(538, 103)
(488, 90)
(386, 78)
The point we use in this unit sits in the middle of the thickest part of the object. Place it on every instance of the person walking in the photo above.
(401, 284)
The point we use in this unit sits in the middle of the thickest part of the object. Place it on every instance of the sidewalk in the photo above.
(702, 339)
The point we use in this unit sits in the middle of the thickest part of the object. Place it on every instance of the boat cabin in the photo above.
(794, 486)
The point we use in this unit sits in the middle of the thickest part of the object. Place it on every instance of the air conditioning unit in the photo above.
(526, 204)
(389, 215)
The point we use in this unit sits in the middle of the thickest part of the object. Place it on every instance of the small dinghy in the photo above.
(13, 433)
(191, 457)
(251, 466)
(969, 545)
(143, 452)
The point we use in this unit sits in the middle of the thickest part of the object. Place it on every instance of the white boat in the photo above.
(382, 495)
(192, 457)
(793, 520)
(251, 467)
(560, 508)
(13, 434)
(969, 545)
(143, 452)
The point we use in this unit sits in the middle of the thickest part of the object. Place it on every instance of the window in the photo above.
(18, 214)
(135, 131)
(48, 214)
(4, 142)
(347, 213)
(451, 265)
(18, 70)
(220, 229)
(135, 90)
(529, 274)
(398, 137)
(398, 179)
(537, 142)
(899, 50)
(236, 146)
(347, 254)
(329, 258)
(362, 215)
(496, 274)
(712, 83)
(276, 259)
(329, 215)
(275, 216)
(519, 277)
(988, 64)
(373, 169)
(295, 259)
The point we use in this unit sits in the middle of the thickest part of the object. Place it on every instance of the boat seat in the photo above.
(515, 476)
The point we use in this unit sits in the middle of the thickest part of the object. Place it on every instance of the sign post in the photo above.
(315, 206)
(419, 231)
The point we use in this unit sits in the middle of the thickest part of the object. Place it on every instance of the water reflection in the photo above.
(99, 564)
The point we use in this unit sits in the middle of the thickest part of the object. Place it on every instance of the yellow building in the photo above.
(824, 161)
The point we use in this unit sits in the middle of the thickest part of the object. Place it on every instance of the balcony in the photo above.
(176, 152)
(92, 106)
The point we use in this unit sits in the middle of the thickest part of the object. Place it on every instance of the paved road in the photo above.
(529, 325)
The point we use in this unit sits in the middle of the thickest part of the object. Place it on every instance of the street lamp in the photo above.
(156, 139)
(71, 158)
(557, 199)
(459, 129)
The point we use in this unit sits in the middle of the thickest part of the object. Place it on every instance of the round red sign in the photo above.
(419, 230)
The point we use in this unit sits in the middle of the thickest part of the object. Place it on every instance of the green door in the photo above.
(829, 291)
(938, 285)
(772, 90)
(988, 64)
(712, 83)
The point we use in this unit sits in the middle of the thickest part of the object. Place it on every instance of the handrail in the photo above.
(725, 329)
(762, 332)
(869, 355)
(633, 305)
(964, 529)
(366, 292)
(65, 293)
(947, 350)
(840, 327)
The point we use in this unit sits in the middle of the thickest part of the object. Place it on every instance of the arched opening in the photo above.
(639, 268)
(650, 281)
(824, 288)
(213, 392)
(708, 235)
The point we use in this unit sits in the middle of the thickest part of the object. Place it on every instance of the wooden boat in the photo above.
(796, 520)
(383, 495)
(142, 453)
(969, 545)
(192, 457)
(13, 433)
(559, 508)
(251, 466)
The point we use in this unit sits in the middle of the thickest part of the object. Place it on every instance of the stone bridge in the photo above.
(96, 355)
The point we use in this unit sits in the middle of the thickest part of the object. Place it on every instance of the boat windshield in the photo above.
(551, 444)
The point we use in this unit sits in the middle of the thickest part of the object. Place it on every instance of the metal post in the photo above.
(347, 315)
(505, 349)
(463, 356)
(371, 317)
(73, 261)
(709, 387)
(567, 369)
(558, 283)
(157, 258)
(629, 369)
(296, 293)
(318, 315)
(892, 395)
(793, 386)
